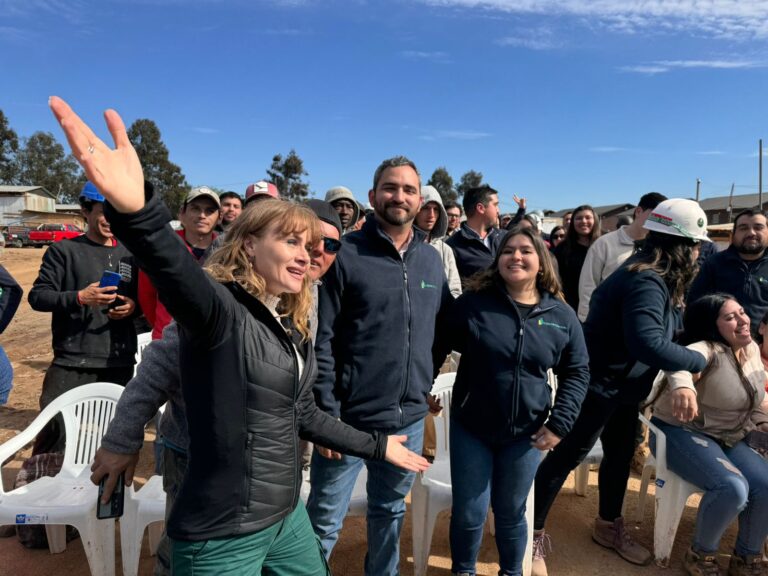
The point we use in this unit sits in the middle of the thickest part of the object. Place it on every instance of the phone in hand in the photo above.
(114, 507)
(111, 279)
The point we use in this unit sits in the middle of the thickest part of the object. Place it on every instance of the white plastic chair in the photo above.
(143, 508)
(431, 492)
(581, 474)
(69, 497)
(672, 493)
(142, 341)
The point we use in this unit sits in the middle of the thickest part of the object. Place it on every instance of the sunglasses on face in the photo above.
(331, 245)
(558, 236)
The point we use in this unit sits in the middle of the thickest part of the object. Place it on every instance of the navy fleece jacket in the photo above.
(629, 333)
(501, 391)
(376, 327)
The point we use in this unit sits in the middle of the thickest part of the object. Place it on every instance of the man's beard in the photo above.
(383, 213)
(753, 248)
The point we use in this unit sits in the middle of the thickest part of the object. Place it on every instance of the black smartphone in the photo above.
(114, 507)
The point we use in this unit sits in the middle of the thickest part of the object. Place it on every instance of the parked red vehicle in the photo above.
(49, 233)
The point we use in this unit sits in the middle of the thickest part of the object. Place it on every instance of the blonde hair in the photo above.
(230, 262)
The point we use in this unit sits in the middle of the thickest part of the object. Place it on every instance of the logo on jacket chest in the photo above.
(542, 322)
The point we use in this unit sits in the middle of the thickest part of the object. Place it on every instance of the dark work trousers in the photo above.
(61, 379)
(615, 424)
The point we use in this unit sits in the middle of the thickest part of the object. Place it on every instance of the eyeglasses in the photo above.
(558, 236)
(452, 216)
(331, 245)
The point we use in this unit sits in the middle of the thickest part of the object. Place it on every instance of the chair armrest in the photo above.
(661, 444)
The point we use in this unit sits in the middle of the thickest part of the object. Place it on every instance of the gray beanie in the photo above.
(343, 193)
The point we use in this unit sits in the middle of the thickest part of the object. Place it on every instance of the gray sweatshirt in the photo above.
(155, 383)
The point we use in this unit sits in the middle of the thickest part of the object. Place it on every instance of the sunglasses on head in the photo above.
(331, 245)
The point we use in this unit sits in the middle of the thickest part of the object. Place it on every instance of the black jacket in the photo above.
(630, 331)
(83, 336)
(569, 265)
(747, 281)
(10, 298)
(472, 255)
(246, 404)
(376, 327)
(501, 391)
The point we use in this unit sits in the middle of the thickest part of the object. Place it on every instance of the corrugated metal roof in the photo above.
(6, 189)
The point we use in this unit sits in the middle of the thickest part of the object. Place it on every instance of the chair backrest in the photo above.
(443, 389)
(87, 411)
(142, 341)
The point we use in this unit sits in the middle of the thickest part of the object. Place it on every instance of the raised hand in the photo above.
(116, 173)
(521, 202)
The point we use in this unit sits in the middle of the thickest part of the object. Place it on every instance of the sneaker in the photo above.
(542, 545)
(614, 535)
(697, 564)
(747, 566)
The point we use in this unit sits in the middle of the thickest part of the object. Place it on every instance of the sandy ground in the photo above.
(27, 342)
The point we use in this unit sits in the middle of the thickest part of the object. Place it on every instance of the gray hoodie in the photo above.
(339, 193)
(430, 194)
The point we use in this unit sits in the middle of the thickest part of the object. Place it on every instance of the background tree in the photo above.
(470, 179)
(443, 182)
(9, 147)
(42, 161)
(165, 176)
(287, 174)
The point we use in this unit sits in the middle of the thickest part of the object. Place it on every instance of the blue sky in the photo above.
(561, 101)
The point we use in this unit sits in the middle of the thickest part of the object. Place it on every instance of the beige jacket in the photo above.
(728, 410)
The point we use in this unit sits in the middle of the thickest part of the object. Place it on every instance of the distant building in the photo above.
(723, 209)
(33, 205)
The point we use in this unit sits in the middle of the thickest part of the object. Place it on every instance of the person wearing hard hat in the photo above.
(633, 316)
(88, 283)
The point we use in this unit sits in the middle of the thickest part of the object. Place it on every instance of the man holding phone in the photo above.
(88, 283)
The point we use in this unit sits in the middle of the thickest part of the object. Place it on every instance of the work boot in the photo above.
(614, 535)
(751, 565)
(542, 545)
(699, 564)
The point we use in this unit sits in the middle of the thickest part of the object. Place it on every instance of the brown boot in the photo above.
(698, 564)
(747, 566)
(542, 545)
(614, 535)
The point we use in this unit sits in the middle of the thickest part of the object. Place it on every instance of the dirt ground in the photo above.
(27, 343)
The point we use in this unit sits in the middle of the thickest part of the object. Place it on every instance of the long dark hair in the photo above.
(700, 319)
(547, 279)
(572, 237)
(671, 257)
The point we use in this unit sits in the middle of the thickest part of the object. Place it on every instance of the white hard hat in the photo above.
(679, 217)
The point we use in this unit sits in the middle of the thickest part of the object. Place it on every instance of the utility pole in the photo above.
(698, 187)
(760, 176)
(730, 202)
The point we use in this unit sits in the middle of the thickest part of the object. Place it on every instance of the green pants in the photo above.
(288, 548)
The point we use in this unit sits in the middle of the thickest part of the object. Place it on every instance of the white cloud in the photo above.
(710, 153)
(454, 135)
(536, 39)
(437, 56)
(662, 66)
(203, 130)
(608, 149)
(736, 19)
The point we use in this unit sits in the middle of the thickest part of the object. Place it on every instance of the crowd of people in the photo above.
(278, 326)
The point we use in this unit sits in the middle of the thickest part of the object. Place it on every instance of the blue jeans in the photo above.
(735, 481)
(483, 473)
(332, 483)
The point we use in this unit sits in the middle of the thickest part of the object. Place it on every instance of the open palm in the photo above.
(115, 172)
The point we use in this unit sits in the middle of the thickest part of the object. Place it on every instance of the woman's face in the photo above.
(518, 263)
(281, 259)
(733, 325)
(583, 222)
(557, 236)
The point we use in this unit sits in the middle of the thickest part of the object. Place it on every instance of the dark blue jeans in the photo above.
(735, 480)
(483, 473)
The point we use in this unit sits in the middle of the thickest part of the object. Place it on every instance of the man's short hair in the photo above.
(474, 196)
(748, 212)
(230, 194)
(451, 204)
(395, 162)
(651, 200)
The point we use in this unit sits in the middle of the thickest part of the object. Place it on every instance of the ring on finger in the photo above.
(91, 149)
